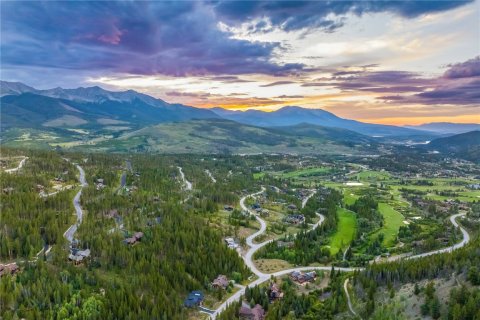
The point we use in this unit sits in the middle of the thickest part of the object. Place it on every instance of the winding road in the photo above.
(349, 301)
(78, 209)
(254, 247)
(263, 277)
(188, 184)
(210, 175)
(20, 165)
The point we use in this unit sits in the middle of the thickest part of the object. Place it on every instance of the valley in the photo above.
(340, 217)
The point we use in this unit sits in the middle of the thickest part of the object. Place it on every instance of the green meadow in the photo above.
(347, 225)
(393, 220)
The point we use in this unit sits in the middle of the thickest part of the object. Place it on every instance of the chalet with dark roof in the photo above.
(194, 299)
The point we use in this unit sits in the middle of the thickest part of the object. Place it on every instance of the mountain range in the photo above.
(129, 120)
(291, 115)
(447, 127)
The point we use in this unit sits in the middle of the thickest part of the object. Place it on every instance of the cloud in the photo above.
(295, 15)
(187, 94)
(467, 69)
(277, 83)
(289, 97)
(146, 38)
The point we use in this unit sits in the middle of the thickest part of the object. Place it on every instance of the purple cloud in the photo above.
(294, 15)
(277, 83)
(467, 69)
(170, 38)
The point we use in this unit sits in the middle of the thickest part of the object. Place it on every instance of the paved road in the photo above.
(78, 209)
(263, 277)
(465, 240)
(20, 165)
(210, 175)
(254, 247)
(188, 184)
(349, 301)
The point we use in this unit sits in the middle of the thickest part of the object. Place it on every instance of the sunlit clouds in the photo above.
(392, 62)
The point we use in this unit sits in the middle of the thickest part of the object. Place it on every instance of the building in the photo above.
(295, 218)
(255, 313)
(302, 278)
(194, 299)
(77, 256)
(221, 282)
(231, 243)
(136, 237)
(10, 268)
(292, 207)
(274, 292)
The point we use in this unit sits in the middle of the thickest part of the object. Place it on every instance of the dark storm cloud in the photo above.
(294, 15)
(171, 38)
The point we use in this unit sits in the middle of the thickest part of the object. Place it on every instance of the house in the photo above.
(8, 190)
(77, 256)
(155, 221)
(231, 243)
(274, 292)
(194, 299)
(136, 237)
(255, 313)
(112, 213)
(285, 244)
(100, 184)
(295, 218)
(221, 282)
(10, 268)
(302, 278)
(292, 207)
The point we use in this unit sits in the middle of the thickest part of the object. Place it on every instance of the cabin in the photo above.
(231, 243)
(132, 240)
(292, 207)
(255, 313)
(194, 299)
(77, 256)
(274, 292)
(10, 269)
(295, 218)
(302, 278)
(221, 282)
(8, 190)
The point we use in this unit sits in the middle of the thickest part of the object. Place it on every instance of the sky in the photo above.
(380, 61)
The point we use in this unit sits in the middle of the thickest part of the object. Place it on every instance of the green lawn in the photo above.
(307, 172)
(258, 175)
(373, 175)
(347, 224)
(349, 198)
(392, 222)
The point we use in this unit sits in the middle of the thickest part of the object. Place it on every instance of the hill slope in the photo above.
(447, 127)
(464, 145)
(225, 136)
(291, 115)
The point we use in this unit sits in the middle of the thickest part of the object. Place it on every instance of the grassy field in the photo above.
(307, 172)
(373, 175)
(347, 224)
(258, 175)
(392, 222)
